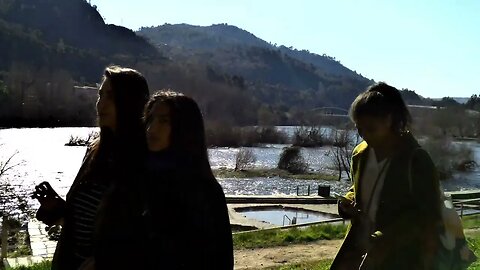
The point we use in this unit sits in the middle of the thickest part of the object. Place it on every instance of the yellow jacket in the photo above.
(408, 213)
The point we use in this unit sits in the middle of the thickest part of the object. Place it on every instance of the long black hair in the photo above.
(127, 142)
(187, 137)
(381, 100)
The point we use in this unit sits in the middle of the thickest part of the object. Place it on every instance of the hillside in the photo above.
(219, 36)
(277, 75)
(67, 34)
(49, 46)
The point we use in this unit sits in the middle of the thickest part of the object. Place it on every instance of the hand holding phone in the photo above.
(43, 191)
(52, 206)
(347, 206)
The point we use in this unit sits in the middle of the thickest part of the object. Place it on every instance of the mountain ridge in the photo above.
(226, 49)
(47, 46)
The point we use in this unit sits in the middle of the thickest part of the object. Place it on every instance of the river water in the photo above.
(42, 156)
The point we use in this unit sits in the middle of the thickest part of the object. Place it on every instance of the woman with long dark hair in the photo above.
(394, 205)
(110, 159)
(186, 212)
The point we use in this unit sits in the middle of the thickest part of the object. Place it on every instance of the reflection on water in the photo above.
(465, 180)
(45, 158)
(285, 216)
(43, 155)
(268, 156)
(276, 185)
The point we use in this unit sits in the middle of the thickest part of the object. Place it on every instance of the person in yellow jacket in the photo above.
(394, 202)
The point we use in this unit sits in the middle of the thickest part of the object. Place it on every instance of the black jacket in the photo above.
(167, 217)
(103, 170)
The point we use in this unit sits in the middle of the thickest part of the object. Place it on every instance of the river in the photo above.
(43, 156)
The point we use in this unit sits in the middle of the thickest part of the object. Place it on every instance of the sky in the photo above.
(430, 46)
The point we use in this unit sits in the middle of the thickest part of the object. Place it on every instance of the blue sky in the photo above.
(430, 46)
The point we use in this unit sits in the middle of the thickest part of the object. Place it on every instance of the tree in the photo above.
(266, 117)
(4, 99)
(341, 151)
(473, 103)
(13, 201)
(20, 79)
(62, 95)
(451, 120)
(309, 137)
(61, 46)
(446, 102)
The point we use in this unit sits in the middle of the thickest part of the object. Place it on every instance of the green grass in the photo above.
(22, 246)
(471, 222)
(320, 265)
(473, 238)
(46, 265)
(281, 237)
(229, 173)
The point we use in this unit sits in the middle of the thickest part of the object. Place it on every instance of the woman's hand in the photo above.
(50, 203)
(347, 208)
(44, 190)
(51, 211)
(52, 206)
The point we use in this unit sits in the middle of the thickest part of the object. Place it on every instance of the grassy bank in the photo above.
(472, 232)
(22, 245)
(473, 240)
(320, 265)
(267, 173)
(271, 238)
(261, 239)
(39, 266)
(471, 222)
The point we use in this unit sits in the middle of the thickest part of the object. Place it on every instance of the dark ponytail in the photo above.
(381, 100)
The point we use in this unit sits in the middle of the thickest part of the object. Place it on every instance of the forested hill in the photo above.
(67, 34)
(277, 75)
(49, 46)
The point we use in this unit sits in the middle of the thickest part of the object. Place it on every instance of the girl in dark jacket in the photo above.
(110, 159)
(186, 212)
(394, 204)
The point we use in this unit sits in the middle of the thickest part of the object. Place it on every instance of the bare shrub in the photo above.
(13, 201)
(309, 137)
(341, 138)
(341, 151)
(226, 136)
(292, 160)
(80, 141)
(245, 159)
(271, 135)
(253, 136)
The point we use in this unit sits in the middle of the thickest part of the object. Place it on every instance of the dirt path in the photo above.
(278, 256)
